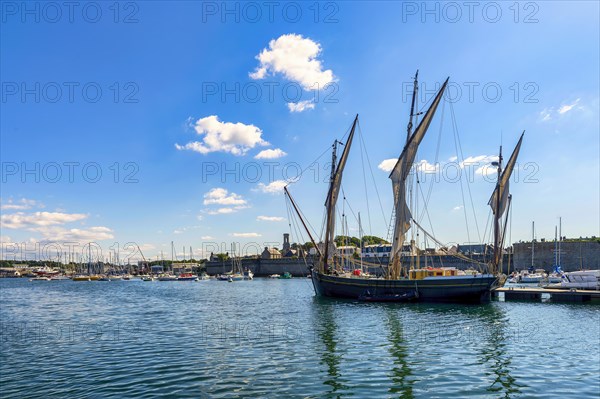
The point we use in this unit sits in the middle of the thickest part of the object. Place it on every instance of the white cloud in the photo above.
(425, 167)
(457, 208)
(274, 187)
(22, 220)
(478, 160)
(552, 113)
(6, 240)
(566, 108)
(246, 235)
(545, 114)
(387, 164)
(233, 138)
(295, 57)
(225, 210)
(453, 159)
(270, 154)
(270, 219)
(207, 238)
(221, 196)
(59, 233)
(20, 205)
(301, 106)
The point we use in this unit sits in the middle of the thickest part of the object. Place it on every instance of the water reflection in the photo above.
(326, 329)
(496, 354)
(401, 371)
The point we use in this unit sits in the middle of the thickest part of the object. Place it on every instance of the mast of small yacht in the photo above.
(532, 243)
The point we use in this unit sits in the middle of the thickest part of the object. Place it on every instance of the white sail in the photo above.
(502, 186)
(400, 173)
(334, 190)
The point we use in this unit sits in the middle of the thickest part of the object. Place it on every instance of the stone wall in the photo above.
(298, 267)
(574, 255)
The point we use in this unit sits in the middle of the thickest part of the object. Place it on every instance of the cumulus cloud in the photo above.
(225, 210)
(387, 164)
(19, 205)
(270, 219)
(301, 106)
(234, 138)
(246, 235)
(59, 233)
(22, 220)
(478, 160)
(270, 154)
(457, 208)
(425, 167)
(294, 57)
(221, 196)
(274, 187)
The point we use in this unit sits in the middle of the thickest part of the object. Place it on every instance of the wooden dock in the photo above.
(549, 294)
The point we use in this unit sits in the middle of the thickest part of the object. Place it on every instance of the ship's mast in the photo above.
(330, 205)
(497, 249)
(412, 106)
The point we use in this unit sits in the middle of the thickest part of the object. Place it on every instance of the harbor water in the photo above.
(274, 338)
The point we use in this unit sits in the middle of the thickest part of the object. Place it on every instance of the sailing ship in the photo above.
(399, 283)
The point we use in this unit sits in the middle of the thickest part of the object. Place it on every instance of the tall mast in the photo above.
(334, 189)
(559, 237)
(497, 249)
(500, 199)
(532, 242)
(399, 175)
(412, 107)
(555, 246)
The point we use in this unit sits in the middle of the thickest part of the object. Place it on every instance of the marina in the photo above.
(307, 200)
(138, 339)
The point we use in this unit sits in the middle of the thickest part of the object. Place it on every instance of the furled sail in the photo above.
(401, 170)
(334, 190)
(502, 189)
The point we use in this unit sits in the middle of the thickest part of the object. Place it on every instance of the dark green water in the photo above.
(274, 338)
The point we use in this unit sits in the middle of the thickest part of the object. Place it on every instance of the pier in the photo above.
(545, 294)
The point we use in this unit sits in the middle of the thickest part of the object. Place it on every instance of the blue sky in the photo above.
(180, 73)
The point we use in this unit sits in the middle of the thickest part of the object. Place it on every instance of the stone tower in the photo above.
(286, 242)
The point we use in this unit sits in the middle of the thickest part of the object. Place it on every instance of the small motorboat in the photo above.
(285, 276)
(40, 278)
(187, 277)
(167, 277)
(274, 276)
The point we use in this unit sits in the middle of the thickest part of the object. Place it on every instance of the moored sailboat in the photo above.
(399, 283)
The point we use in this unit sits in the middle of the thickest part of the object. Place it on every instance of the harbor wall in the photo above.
(298, 267)
(573, 255)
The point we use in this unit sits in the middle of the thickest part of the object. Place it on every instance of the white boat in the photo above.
(274, 276)
(148, 278)
(40, 278)
(584, 280)
(249, 275)
(59, 278)
(167, 277)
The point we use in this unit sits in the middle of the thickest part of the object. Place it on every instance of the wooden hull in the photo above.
(468, 289)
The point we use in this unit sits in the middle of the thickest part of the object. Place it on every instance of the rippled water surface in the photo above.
(274, 338)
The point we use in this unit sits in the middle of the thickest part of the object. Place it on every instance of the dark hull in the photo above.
(468, 289)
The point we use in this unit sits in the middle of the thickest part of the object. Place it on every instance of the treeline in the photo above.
(355, 241)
